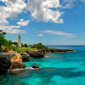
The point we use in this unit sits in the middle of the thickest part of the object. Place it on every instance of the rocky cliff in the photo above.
(10, 60)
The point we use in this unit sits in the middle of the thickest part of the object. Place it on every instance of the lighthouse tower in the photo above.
(19, 40)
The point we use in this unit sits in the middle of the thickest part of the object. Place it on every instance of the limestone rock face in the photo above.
(25, 56)
(35, 54)
(10, 60)
(17, 58)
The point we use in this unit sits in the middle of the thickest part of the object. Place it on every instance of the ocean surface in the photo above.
(55, 69)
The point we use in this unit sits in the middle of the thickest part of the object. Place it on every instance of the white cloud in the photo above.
(68, 3)
(83, 0)
(39, 35)
(12, 8)
(40, 10)
(14, 29)
(51, 3)
(56, 32)
(11, 29)
(23, 23)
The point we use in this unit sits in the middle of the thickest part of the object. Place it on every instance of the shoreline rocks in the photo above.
(25, 56)
(10, 60)
(41, 54)
(16, 64)
(57, 50)
(36, 54)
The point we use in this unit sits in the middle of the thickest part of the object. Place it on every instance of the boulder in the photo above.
(35, 66)
(36, 54)
(15, 64)
(25, 56)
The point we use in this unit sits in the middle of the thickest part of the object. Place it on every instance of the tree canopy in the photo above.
(3, 41)
(38, 45)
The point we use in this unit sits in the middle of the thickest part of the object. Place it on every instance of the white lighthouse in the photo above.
(19, 40)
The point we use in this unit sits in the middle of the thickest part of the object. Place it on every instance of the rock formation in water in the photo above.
(41, 54)
(57, 50)
(36, 54)
(35, 66)
(25, 56)
(10, 60)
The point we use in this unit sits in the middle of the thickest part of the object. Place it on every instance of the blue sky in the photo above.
(51, 22)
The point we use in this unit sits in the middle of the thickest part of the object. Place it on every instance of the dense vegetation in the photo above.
(2, 39)
(38, 45)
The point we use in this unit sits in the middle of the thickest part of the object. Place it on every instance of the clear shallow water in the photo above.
(55, 69)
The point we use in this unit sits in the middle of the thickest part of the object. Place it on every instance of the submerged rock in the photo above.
(35, 66)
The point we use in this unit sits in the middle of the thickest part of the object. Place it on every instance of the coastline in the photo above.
(15, 61)
(60, 65)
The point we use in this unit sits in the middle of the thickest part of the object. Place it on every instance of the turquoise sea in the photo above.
(55, 69)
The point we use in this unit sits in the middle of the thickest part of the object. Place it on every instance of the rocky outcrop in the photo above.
(35, 66)
(46, 51)
(25, 56)
(16, 64)
(57, 50)
(17, 57)
(41, 54)
(10, 60)
(64, 50)
(35, 54)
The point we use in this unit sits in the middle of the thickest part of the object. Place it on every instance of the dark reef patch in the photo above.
(83, 64)
(63, 72)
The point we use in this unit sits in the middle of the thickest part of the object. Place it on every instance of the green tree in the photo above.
(15, 43)
(2, 38)
(24, 45)
(38, 45)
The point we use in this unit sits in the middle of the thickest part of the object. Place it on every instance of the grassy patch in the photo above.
(23, 49)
